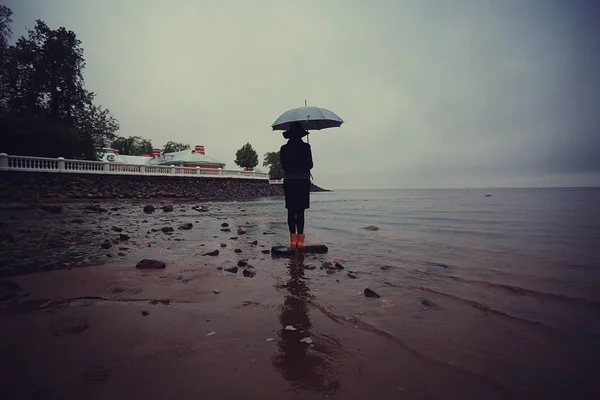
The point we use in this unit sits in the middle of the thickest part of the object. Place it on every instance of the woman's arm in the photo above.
(309, 159)
(283, 159)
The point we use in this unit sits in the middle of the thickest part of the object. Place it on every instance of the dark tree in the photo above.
(45, 109)
(132, 146)
(274, 163)
(172, 147)
(5, 34)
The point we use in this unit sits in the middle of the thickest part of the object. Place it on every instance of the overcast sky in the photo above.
(435, 93)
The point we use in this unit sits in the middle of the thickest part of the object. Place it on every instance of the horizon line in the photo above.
(472, 188)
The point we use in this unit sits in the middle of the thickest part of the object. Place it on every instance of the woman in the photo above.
(296, 161)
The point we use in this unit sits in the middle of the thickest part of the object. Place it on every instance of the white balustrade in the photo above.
(42, 164)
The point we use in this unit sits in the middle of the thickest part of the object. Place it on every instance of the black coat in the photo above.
(296, 159)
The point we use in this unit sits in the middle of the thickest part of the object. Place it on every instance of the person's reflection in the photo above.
(308, 366)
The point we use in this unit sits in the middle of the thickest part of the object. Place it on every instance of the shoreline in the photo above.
(115, 331)
(92, 325)
(40, 187)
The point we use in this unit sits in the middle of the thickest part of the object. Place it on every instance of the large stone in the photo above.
(287, 251)
(150, 264)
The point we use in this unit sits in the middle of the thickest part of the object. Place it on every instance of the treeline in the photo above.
(138, 146)
(46, 110)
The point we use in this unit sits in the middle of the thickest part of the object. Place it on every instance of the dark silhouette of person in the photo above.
(296, 162)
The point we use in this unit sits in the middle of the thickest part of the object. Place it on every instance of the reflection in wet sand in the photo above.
(308, 366)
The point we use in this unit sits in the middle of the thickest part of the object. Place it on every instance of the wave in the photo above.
(517, 290)
(576, 301)
(487, 309)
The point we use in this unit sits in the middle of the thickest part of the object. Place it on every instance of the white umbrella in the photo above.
(311, 118)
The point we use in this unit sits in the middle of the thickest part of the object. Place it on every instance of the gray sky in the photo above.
(435, 93)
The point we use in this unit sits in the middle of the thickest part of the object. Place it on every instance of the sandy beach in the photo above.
(80, 321)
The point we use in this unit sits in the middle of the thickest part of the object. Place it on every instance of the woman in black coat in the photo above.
(296, 161)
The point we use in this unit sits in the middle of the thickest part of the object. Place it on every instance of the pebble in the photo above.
(290, 328)
(186, 227)
(216, 291)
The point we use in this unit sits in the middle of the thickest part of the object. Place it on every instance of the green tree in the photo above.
(246, 157)
(132, 145)
(172, 147)
(273, 161)
(45, 109)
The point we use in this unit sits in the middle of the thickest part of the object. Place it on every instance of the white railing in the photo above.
(42, 164)
(276, 181)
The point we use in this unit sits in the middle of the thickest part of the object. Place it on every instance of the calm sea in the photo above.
(513, 276)
(546, 241)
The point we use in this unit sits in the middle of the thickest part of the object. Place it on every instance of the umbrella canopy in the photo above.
(311, 118)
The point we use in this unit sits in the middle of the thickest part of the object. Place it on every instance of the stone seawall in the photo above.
(43, 186)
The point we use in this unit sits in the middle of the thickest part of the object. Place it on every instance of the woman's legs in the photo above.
(291, 219)
(300, 221)
(295, 220)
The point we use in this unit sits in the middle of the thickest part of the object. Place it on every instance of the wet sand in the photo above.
(96, 344)
(293, 330)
